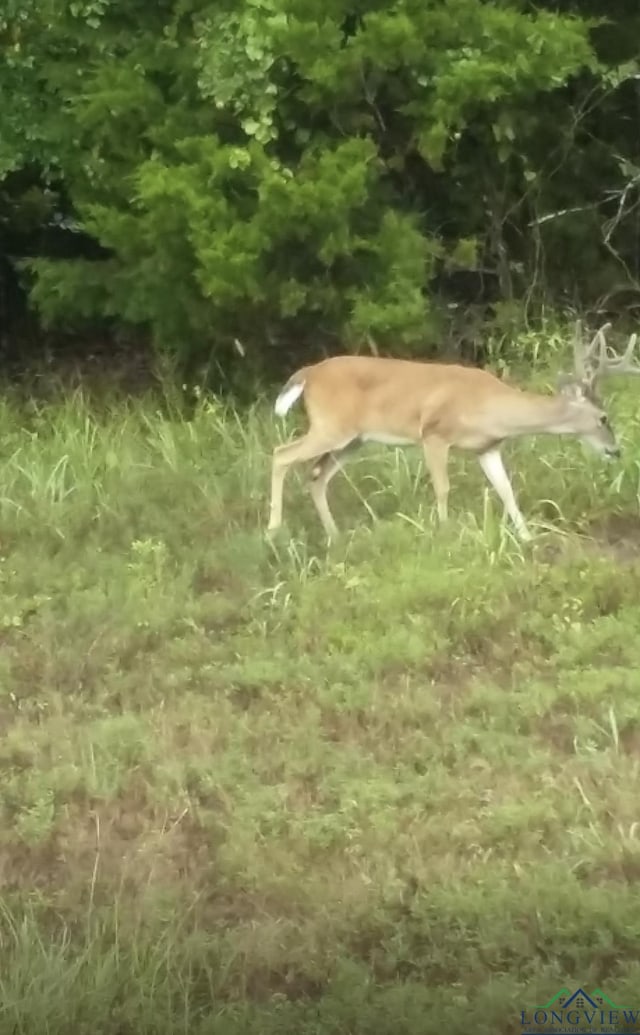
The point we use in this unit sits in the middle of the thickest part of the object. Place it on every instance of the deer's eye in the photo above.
(604, 420)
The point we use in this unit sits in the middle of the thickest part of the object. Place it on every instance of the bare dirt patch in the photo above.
(617, 536)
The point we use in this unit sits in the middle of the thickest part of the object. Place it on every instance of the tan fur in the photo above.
(350, 395)
(350, 399)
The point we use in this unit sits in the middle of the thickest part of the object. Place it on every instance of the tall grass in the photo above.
(254, 786)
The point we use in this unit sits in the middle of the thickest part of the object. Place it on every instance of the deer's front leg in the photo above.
(493, 467)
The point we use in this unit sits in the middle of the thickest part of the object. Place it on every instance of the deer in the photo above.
(354, 399)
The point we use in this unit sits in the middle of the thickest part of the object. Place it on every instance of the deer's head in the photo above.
(591, 363)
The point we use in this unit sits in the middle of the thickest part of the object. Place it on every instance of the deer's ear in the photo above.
(570, 388)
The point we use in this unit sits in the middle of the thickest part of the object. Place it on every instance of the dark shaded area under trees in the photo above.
(246, 186)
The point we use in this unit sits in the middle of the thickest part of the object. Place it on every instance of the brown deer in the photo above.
(355, 399)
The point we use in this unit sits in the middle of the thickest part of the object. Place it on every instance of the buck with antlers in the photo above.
(355, 399)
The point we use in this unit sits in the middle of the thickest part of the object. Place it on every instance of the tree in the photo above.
(287, 171)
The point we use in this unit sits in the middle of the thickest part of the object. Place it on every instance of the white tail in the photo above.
(289, 394)
(354, 399)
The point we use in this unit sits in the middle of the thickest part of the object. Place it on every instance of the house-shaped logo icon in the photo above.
(581, 1001)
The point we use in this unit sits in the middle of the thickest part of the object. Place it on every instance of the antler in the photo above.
(624, 364)
(587, 367)
(596, 360)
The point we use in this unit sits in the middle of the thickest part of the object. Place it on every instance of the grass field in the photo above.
(257, 789)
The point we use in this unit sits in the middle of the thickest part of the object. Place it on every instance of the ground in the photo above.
(253, 787)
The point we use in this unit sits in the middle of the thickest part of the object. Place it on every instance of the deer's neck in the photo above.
(530, 413)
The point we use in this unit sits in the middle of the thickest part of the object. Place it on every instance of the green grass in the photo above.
(252, 787)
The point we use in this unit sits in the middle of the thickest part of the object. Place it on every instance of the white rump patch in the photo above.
(386, 440)
(287, 397)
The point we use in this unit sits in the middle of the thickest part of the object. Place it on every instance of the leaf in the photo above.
(250, 126)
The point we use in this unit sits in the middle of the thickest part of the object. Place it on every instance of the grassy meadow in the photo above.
(254, 788)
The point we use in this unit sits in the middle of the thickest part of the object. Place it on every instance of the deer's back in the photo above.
(367, 393)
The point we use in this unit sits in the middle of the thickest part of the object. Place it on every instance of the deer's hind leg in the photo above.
(436, 458)
(326, 467)
(310, 447)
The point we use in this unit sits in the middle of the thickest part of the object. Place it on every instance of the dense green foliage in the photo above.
(271, 170)
(266, 789)
(262, 172)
